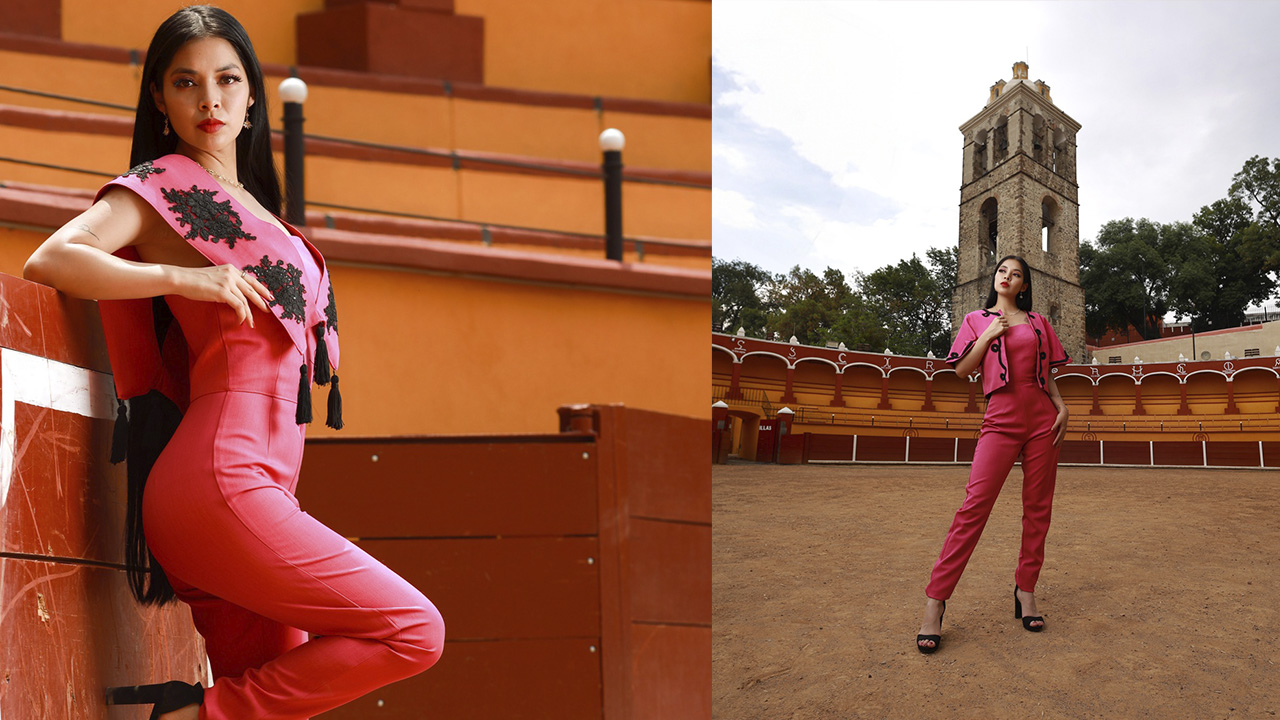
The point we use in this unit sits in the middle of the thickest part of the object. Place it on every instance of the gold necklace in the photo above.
(228, 181)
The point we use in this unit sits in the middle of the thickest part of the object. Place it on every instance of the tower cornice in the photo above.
(1020, 91)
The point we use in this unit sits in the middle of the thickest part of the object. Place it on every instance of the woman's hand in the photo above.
(997, 327)
(1060, 426)
(226, 284)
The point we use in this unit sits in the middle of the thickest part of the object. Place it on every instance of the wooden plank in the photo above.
(65, 499)
(68, 631)
(1177, 452)
(1125, 452)
(1232, 453)
(927, 449)
(1079, 451)
(504, 588)
(441, 488)
(878, 447)
(24, 320)
(674, 561)
(503, 680)
(1271, 452)
(670, 476)
(830, 447)
(672, 673)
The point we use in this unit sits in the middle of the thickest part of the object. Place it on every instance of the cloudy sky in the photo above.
(836, 139)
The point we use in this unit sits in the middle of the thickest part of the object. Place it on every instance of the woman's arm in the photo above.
(972, 359)
(1059, 425)
(77, 259)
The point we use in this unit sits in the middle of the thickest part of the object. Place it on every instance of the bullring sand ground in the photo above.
(1160, 594)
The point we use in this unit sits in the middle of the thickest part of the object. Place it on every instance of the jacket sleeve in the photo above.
(963, 343)
(1057, 355)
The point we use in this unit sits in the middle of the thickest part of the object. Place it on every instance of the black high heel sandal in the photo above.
(1026, 621)
(937, 639)
(167, 697)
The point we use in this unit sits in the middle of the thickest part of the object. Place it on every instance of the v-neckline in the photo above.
(284, 228)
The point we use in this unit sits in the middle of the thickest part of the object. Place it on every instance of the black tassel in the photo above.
(322, 357)
(304, 398)
(335, 405)
(120, 438)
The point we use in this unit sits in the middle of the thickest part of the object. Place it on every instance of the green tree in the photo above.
(914, 302)
(736, 289)
(1125, 275)
(1221, 265)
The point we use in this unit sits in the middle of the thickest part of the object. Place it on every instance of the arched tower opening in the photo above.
(1048, 224)
(989, 232)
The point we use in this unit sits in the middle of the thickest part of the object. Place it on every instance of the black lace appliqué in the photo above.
(208, 219)
(285, 282)
(331, 311)
(142, 171)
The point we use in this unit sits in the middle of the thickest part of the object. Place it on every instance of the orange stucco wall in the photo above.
(402, 119)
(434, 353)
(653, 49)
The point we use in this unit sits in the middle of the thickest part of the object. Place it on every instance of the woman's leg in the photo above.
(219, 516)
(993, 458)
(235, 639)
(287, 567)
(1039, 476)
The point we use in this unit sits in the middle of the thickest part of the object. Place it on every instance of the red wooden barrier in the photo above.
(926, 449)
(1232, 453)
(1080, 451)
(68, 625)
(1185, 452)
(572, 570)
(872, 448)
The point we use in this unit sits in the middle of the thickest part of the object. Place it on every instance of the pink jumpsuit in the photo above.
(258, 572)
(1019, 420)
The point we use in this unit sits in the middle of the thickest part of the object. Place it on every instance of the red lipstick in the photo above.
(211, 125)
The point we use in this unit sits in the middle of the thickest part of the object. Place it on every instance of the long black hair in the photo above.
(1023, 301)
(153, 418)
(255, 164)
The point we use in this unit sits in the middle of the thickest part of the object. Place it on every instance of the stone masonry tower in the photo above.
(1020, 197)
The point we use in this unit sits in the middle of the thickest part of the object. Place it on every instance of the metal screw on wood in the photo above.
(373, 458)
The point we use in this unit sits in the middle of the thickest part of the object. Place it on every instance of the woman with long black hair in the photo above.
(218, 318)
(1016, 349)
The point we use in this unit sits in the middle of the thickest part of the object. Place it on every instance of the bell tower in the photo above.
(1019, 197)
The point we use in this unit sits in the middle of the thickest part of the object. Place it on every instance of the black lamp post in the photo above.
(611, 143)
(293, 91)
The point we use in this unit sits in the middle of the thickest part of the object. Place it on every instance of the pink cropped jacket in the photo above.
(995, 364)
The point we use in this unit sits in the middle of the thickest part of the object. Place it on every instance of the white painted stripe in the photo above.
(955, 457)
(1151, 445)
(855, 449)
(908, 458)
(1204, 452)
(42, 382)
(1262, 461)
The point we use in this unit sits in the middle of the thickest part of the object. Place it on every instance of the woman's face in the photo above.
(205, 94)
(1009, 280)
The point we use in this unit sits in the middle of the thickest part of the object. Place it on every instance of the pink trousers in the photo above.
(260, 574)
(1019, 419)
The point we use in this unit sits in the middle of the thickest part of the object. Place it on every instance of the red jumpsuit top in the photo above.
(146, 352)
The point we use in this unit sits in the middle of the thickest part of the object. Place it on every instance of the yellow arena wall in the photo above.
(838, 392)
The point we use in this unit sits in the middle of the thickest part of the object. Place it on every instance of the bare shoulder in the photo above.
(118, 219)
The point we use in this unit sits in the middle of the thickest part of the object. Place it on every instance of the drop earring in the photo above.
(247, 124)
(166, 125)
